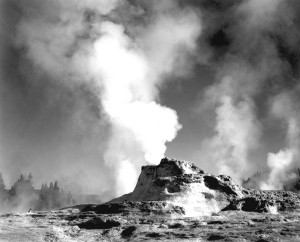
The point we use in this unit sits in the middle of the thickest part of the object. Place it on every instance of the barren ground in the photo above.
(73, 225)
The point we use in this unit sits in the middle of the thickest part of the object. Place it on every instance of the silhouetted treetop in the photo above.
(2, 184)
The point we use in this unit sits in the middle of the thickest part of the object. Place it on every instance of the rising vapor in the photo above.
(95, 43)
(254, 63)
(85, 89)
(283, 164)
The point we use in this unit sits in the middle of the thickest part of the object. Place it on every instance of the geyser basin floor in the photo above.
(165, 205)
(225, 226)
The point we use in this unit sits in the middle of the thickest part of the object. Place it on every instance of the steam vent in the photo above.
(183, 184)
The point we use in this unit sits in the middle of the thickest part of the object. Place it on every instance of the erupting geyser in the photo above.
(92, 90)
(183, 184)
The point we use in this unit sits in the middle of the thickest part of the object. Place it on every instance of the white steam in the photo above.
(129, 73)
(125, 61)
(284, 163)
(124, 52)
(261, 13)
(237, 130)
(251, 60)
(139, 124)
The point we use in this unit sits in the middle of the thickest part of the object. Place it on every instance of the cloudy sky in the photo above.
(92, 90)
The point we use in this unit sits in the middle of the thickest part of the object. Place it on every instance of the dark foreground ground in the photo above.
(120, 225)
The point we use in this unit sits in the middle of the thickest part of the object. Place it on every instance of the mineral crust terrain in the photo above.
(173, 201)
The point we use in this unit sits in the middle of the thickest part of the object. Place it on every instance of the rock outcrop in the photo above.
(180, 188)
(266, 201)
(183, 184)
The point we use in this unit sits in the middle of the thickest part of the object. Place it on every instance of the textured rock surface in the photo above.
(183, 184)
(266, 201)
(75, 225)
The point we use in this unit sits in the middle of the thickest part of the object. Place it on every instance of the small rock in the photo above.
(153, 235)
(176, 226)
(128, 232)
(216, 222)
(251, 223)
(213, 237)
(98, 223)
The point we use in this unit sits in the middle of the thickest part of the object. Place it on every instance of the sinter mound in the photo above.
(181, 188)
(177, 187)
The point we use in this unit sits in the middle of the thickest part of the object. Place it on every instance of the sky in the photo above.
(91, 91)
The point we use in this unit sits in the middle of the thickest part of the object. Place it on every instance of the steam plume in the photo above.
(140, 126)
(283, 165)
(123, 63)
(247, 51)
(82, 86)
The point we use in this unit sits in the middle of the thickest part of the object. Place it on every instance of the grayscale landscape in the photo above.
(95, 95)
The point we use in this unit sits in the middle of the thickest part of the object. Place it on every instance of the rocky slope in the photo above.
(182, 184)
(174, 201)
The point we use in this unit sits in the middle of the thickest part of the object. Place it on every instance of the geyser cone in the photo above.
(183, 184)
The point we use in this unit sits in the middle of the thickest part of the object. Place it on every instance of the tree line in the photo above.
(23, 196)
(255, 180)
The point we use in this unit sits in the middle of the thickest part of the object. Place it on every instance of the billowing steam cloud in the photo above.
(253, 51)
(140, 126)
(82, 85)
(283, 164)
(237, 129)
(96, 44)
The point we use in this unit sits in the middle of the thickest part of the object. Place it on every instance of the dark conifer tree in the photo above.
(2, 184)
(21, 178)
(30, 177)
